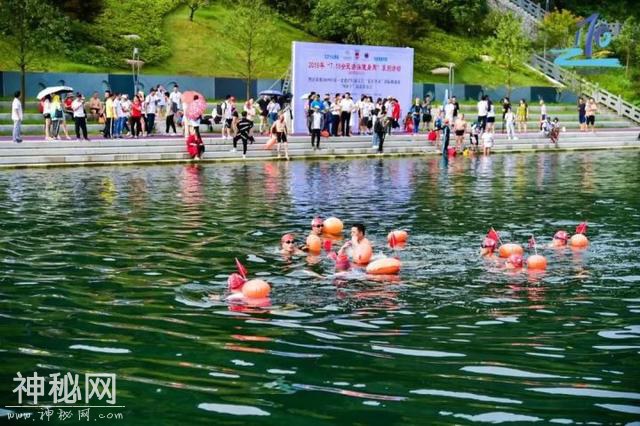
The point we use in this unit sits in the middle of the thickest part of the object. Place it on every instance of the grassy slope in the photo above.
(200, 48)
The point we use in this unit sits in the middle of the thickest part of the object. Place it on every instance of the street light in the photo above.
(136, 64)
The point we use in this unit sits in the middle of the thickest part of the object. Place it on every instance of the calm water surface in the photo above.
(110, 270)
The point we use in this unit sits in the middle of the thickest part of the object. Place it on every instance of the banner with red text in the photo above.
(377, 71)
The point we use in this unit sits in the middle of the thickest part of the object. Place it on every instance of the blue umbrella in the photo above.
(270, 93)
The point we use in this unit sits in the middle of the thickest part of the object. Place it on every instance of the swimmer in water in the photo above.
(360, 246)
(560, 239)
(288, 246)
(514, 261)
(488, 247)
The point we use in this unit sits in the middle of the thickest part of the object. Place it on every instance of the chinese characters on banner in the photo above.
(376, 71)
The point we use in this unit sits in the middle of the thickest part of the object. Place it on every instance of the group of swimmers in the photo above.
(513, 253)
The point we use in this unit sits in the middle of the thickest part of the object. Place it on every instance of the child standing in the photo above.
(509, 119)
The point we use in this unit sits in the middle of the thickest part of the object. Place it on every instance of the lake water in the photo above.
(111, 270)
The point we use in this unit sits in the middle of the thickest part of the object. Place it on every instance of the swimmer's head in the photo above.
(317, 221)
(358, 230)
(562, 237)
(287, 241)
(235, 282)
(488, 246)
(342, 263)
(514, 261)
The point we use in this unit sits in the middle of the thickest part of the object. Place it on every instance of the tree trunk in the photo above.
(193, 12)
(23, 84)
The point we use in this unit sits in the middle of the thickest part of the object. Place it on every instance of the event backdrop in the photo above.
(338, 68)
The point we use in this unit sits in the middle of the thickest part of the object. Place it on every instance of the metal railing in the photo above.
(575, 82)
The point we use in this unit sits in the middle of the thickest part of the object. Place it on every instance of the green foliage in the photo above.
(194, 5)
(628, 41)
(557, 30)
(254, 42)
(457, 16)
(81, 10)
(349, 22)
(611, 10)
(510, 46)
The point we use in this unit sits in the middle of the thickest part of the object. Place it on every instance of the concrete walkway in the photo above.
(37, 152)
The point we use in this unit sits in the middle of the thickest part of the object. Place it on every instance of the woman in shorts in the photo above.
(591, 110)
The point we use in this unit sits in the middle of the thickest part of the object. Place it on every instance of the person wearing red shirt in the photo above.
(136, 117)
(395, 113)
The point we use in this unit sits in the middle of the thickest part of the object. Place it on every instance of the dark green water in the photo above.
(108, 270)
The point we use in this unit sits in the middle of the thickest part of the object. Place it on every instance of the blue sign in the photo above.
(598, 33)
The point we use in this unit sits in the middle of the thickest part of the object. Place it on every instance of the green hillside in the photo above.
(171, 44)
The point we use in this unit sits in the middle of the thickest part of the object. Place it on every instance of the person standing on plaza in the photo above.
(317, 124)
(509, 119)
(543, 114)
(416, 113)
(273, 108)
(522, 116)
(175, 99)
(95, 107)
(506, 106)
(460, 127)
(346, 107)
(250, 109)
(80, 117)
(582, 114)
(326, 105)
(263, 102)
(426, 113)
(17, 116)
(169, 120)
(108, 114)
(228, 107)
(449, 109)
(590, 112)
(336, 115)
(380, 129)
(136, 117)
(483, 109)
(279, 129)
(243, 133)
(57, 115)
(46, 114)
(491, 117)
(395, 114)
(151, 108)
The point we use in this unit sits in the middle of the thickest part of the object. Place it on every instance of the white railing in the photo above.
(575, 82)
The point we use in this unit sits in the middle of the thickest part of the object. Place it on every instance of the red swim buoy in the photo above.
(537, 262)
(451, 152)
(508, 249)
(386, 266)
(235, 282)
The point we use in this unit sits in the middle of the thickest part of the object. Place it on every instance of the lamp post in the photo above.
(135, 62)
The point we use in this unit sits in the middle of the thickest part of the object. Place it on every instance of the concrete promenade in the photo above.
(35, 152)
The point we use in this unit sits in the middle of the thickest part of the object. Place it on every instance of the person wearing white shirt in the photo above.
(151, 107)
(491, 117)
(487, 142)
(543, 114)
(346, 106)
(365, 115)
(176, 99)
(120, 117)
(509, 119)
(17, 117)
(80, 116)
(449, 109)
(483, 108)
(335, 115)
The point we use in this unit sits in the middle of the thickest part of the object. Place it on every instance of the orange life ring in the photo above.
(508, 249)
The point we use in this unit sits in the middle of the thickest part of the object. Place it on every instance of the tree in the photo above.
(82, 10)
(510, 46)
(32, 28)
(628, 39)
(194, 5)
(557, 29)
(252, 24)
(353, 21)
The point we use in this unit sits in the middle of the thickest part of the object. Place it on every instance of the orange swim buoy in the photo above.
(400, 236)
(537, 262)
(386, 266)
(256, 289)
(508, 249)
(314, 244)
(578, 241)
(333, 226)
(362, 256)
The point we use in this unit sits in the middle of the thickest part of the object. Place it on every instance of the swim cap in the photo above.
(489, 243)
(235, 281)
(317, 221)
(287, 237)
(561, 235)
(515, 260)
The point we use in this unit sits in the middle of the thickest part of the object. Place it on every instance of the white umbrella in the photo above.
(54, 89)
(305, 96)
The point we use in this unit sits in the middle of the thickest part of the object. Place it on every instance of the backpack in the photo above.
(379, 127)
(217, 118)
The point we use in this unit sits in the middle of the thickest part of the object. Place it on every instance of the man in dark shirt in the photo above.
(244, 125)
(262, 104)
